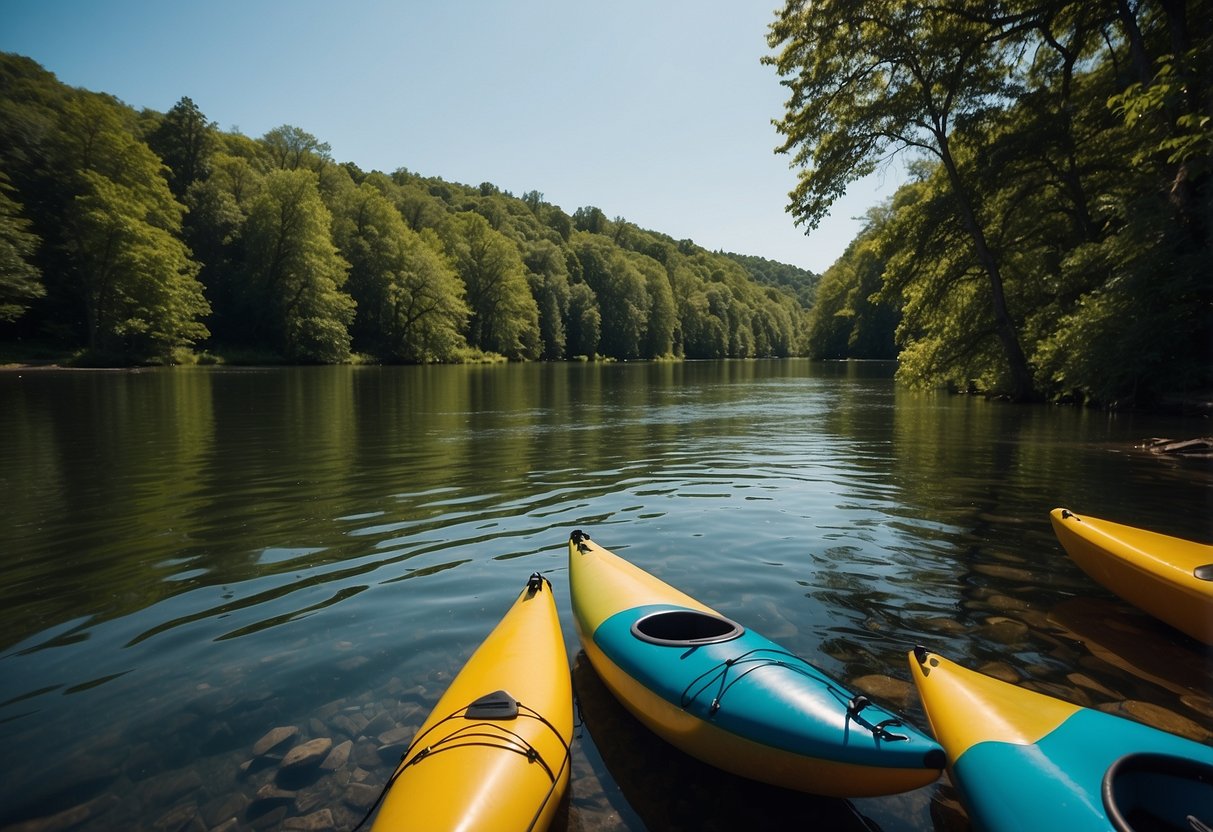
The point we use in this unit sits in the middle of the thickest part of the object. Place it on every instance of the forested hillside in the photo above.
(1054, 239)
(144, 236)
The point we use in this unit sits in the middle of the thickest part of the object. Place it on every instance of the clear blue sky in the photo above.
(655, 110)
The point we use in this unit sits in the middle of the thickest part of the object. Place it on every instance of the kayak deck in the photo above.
(494, 752)
(732, 697)
(1168, 577)
(1025, 760)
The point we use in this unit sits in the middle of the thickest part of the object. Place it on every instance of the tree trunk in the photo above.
(1137, 47)
(1022, 387)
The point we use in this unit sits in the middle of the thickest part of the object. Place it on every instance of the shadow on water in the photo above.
(669, 790)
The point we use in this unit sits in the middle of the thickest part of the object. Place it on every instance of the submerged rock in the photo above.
(886, 688)
(342, 724)
(225, 807)
(360, 796)
(271, 819)
(394, 742)
(1082, 680)
(337, 756)
(1159, 717)
(183, 818)
(321, 821)
(68, 818)
(308, 754)
(1007, 573)
(1004, 630)
(270, 793)
(366, 753)
(944, 626)
(273, 739)
(382, 722)
(352, 663)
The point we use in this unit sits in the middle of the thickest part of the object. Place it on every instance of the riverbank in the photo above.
(1199, 405)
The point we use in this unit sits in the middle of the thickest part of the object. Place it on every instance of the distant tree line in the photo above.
(1054, 241)
(146, 236)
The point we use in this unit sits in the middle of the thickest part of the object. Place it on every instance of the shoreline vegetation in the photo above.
(1052, 244)
(145, 237)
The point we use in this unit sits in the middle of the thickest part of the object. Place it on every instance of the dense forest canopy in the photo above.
(1054, 239)
(144, 236)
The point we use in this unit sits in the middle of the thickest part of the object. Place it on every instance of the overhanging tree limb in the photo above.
(843, 116)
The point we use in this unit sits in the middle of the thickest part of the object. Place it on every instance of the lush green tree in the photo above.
(705, 334)
(20, 279)
(212, 231)
(416, 204)
(947, 332)
(504, 317)
(274, 223)
(533, 200)
(294, 274)
(848, 320)
(558, 221)
(775, 324)
(623, 297)
(428, 310)
(292, 148)
(1168, 107)
(1144, 335)
(548, 276)
(238, 176)
(590, 219)
(409, 300)
(802, 283)
(185, 141)
(130, 269)
(879, 77)
(663, 314)
(369, 234)
(584, 325)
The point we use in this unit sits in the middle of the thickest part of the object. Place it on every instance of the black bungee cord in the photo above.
(506, 738)
(720, 674)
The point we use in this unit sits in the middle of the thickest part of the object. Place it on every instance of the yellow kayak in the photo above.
(1023, 760)
(493, 756)
(1168, 577)
(731, 697)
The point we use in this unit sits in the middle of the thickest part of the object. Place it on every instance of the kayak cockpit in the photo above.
(685, 628)
(1159, 792)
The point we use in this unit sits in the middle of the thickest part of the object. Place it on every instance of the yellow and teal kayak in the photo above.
(494, 753)
(1024, 760)
(730, 697)
(1168, 577)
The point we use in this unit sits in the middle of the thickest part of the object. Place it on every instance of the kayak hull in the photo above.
(731, 697)
(1024, 760)
(1155, 572)
(481, 768)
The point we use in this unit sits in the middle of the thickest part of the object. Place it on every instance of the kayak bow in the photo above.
(1168, 577)
(1024, 760)
(494, 753)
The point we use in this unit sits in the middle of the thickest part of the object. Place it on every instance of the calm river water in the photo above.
(191, 558)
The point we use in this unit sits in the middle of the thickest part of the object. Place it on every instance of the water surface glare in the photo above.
(191, 558)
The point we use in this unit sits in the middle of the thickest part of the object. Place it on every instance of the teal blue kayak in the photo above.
(731, 697)
(1022, 760)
